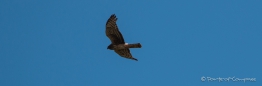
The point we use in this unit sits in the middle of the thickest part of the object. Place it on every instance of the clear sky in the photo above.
(63, 42)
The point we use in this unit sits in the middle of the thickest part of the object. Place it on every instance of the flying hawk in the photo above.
(117, 41)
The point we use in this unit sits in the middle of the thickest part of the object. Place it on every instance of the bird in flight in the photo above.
(117, 41)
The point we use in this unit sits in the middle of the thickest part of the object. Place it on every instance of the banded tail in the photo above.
(135, 45)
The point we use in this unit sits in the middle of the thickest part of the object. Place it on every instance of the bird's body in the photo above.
(124, 46)
(117, 41)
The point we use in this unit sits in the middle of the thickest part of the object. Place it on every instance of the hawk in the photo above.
(117, 41)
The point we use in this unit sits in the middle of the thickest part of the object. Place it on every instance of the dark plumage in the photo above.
(117, 41)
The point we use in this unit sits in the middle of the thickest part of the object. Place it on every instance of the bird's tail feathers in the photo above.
(135, 45)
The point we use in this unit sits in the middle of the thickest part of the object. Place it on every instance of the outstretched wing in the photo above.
(125, 53)
(112, 31)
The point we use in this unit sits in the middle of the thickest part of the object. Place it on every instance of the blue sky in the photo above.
(63, 42)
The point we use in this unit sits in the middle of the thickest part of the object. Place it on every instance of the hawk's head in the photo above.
(110, 47)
